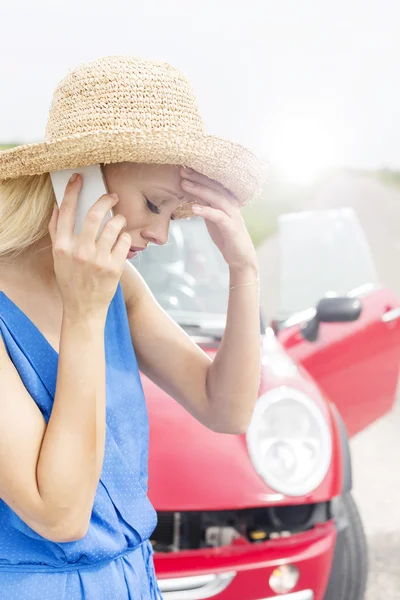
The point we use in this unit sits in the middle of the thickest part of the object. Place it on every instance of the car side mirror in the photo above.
(332, 309)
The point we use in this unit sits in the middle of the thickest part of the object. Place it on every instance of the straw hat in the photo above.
(124, 108)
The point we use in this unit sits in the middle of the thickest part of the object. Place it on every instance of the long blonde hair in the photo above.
(26, 204)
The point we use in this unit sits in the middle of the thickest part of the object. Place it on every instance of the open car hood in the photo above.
(193, 468)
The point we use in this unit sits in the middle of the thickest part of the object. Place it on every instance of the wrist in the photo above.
(84, 319)
(245, 274)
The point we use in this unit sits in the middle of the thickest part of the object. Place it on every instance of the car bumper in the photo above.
(242, 572)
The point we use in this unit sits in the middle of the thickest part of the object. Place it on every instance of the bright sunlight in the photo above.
(302, 150)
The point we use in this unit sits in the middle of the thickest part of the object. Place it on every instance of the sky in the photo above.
(307, 84)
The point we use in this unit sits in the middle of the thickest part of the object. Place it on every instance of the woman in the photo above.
(77, 324)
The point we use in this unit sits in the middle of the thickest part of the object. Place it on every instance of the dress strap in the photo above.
(25, 343)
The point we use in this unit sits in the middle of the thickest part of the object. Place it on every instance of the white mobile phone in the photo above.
(93, 186)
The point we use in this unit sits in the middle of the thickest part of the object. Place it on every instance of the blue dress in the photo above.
(114, 561)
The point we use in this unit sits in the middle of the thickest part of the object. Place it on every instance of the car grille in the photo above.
(195, 530)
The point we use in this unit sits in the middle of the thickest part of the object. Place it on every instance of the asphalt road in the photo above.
(375, 451)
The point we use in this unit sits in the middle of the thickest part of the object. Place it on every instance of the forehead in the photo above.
(167, 174)
(163, 182)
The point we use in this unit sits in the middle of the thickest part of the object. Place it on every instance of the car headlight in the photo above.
(289, 441)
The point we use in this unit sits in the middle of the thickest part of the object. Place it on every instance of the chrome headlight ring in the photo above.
(289, 441)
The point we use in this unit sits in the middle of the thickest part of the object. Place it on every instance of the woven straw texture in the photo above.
(124, 108)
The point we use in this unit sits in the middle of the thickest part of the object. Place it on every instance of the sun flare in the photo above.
(302, 150)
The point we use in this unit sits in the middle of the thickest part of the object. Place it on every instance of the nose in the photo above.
(157, 234)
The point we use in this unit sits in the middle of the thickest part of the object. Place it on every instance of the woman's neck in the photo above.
(34, 266)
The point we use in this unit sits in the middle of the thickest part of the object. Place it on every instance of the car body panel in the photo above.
(351, 368)
(312, 552)
(217, 471)
(355, 364)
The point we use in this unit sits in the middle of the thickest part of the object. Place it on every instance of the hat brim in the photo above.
(233, 165)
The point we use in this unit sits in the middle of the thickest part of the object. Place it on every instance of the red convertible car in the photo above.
(270, 514)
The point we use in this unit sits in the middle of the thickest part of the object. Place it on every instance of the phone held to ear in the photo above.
(93, 186)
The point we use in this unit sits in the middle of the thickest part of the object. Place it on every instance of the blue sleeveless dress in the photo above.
(114, 561)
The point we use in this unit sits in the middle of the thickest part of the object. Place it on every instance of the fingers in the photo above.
(211, 214)
(216, 196)
(192, 175)
(121, 248)
(53, 224)
(95, 217)
(67, 211)
(111, 233)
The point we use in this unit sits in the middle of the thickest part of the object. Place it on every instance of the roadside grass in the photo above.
(388, 176)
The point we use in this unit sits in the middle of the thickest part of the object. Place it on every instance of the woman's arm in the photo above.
(49, 475)
(220, 394)
(234, 376)
(71, 456)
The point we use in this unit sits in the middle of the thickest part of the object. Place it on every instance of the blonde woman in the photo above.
(77, 323)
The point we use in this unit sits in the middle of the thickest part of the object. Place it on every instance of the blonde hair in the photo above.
(26, 204)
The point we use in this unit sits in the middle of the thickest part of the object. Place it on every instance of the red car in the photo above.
(270, 514)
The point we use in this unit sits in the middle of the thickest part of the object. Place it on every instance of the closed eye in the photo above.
(154, 208)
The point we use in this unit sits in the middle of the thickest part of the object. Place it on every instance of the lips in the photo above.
(133, 250)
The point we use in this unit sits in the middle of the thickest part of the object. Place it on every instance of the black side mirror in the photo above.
(332, 309)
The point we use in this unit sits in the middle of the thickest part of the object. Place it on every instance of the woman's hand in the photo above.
(224, 221)
(87, 271)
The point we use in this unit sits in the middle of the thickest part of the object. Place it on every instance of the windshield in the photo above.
(188, 276)
(321, 252)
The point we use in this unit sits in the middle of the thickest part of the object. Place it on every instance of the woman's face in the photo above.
(148, 197)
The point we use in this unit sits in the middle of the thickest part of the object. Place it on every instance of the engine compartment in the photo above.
(194, 530)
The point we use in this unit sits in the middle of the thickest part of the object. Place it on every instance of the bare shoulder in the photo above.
(134, 286)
